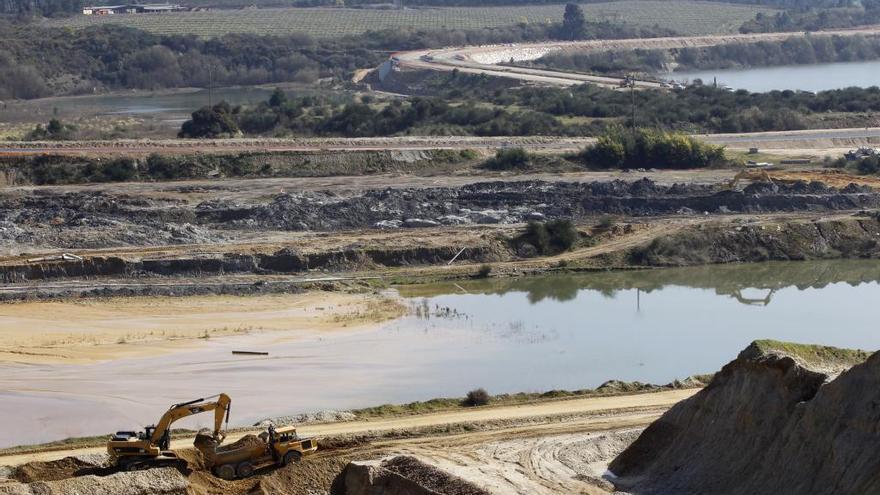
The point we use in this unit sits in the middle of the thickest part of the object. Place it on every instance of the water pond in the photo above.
(816, 77)
(527, 334)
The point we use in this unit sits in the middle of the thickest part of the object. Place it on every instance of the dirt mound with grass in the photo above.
(777, 420)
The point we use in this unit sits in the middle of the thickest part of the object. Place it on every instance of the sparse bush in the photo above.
(605, 222)
(477, 397)
(484, 271)
(55, 131)
(469, 154)
(869, 165)
(508, 159)
(118, 170)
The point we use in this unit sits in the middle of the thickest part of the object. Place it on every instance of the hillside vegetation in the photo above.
(474, 107)
(681, 16)
(40, 61)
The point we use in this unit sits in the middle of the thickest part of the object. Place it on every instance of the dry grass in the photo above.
(373, 310)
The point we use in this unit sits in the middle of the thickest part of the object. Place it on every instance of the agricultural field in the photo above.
(682, 16)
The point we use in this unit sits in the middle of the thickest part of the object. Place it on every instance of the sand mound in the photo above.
(312, 476)
(166, 481)
(770, 422)
(402, 475)
(52, 470)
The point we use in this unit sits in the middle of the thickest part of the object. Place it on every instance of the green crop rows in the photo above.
(682, 16)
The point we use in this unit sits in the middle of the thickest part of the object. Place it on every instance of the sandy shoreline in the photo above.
(85, 331)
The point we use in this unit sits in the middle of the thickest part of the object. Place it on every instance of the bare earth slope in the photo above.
(769, 423)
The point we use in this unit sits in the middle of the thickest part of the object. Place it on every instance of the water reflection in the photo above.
(752, 284)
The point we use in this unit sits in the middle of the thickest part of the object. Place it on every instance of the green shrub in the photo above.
(869, 165)
(484, 271)
(477, 397)
(508, 159)
(550, 237)
(469, 154)
(55, 131)
(119, 170)
(648, 148)
(210, 122)
(162, 167)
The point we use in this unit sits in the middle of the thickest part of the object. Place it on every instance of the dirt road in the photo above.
(551, 417)
(483, 59)
(829, 141)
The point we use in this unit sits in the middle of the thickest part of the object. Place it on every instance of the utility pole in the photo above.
(631, 82)
(211, 86)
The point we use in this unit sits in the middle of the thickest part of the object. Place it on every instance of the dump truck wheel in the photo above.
(226, 471)
(292, 457)
(245, 469)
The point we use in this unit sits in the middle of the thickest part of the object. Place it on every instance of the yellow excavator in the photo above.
(132, 451)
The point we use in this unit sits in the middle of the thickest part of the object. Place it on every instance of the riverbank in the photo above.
(138, 327)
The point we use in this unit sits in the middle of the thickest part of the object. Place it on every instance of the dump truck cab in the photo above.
(288, 446)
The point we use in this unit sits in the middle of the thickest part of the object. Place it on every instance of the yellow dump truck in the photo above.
(278, 447)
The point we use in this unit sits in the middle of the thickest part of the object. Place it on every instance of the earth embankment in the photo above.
(781, 419)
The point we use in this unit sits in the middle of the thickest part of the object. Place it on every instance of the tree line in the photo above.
(478, 107)
(815, 16)
(37, 61)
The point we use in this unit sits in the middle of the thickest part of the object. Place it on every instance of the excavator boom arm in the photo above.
(179, 411)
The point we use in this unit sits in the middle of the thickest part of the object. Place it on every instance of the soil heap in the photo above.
(777, 420)
(401, 475)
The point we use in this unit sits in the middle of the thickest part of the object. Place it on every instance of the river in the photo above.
(527, 334)
(170, 106)
(816, 77)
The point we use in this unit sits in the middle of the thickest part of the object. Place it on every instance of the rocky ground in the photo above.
(49, 218)
(268, 236)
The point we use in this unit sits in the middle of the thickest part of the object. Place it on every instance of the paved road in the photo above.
(484, 59)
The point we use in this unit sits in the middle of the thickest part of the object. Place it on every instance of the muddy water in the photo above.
(531, 334)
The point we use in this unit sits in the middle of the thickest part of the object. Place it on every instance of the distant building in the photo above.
(103, 9)
(132, 9)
